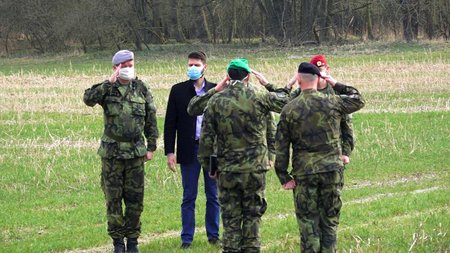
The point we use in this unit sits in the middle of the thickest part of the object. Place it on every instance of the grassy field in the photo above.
(396, 194)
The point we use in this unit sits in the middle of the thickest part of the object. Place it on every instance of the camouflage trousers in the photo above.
(242, 203)
(317, 207)
(123, 180)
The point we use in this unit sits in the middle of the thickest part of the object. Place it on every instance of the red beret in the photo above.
(318, 60)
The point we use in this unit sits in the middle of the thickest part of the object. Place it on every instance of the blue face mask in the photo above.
(194, 72)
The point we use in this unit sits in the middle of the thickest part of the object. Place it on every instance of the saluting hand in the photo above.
(329, 79)
(292, 82)
(113, 78)
(222, 84)
(262, 80)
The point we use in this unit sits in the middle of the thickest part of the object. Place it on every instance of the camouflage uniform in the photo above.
(310, 123)
(197, 106)
(347, 137)
(236, 119)
(128, 112)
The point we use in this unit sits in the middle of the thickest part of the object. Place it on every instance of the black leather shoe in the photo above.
(119, 246)
(214, 241)
(186, 245)
(132, 245)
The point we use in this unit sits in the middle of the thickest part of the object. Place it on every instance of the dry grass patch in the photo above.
(387, 86)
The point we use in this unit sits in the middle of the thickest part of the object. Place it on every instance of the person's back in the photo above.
(311, 124)
(235, 122)
(240, 122)
(315, 141)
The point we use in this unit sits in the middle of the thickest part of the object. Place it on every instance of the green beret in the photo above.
(239, 63)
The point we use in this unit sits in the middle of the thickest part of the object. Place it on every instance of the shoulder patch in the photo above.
(281, 94)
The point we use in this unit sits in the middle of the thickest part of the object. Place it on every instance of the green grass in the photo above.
(49, 193)
(396, 194)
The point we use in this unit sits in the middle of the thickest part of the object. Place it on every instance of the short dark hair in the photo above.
(237, 74)
(198, 55)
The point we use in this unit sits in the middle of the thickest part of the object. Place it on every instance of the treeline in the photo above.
(58, 25)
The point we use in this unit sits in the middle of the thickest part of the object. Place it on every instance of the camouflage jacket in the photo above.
(197, 106)
(128, 113)
(237, 118)
(310, 123)
(347, 137)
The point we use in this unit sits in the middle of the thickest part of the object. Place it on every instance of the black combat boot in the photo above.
(132, 245)
(119, 246)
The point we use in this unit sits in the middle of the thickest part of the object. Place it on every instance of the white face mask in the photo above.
(126, 73)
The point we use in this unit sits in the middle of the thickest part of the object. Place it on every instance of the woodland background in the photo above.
(41, 26)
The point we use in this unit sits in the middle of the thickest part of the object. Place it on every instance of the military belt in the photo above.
(121, 138)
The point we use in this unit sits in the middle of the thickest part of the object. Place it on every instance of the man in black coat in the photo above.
(185, 129)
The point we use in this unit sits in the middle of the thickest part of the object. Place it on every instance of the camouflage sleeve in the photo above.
(282, 145)
(295, 93)
(95, 94)
(150, 128)
(347, 139)
(270, 135)
(206, 145)
(352, 100)
(198, 104)
(275, 101)
(272, 88)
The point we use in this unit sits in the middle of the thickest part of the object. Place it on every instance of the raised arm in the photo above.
(352, 100)
(96, 93)
(197, 105)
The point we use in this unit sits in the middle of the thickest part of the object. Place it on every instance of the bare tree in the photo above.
(58, 25)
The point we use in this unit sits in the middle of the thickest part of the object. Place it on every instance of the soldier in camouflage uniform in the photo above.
(197, 106)
(347, 137)
(310, 123)
(236, 119)
(129, 114)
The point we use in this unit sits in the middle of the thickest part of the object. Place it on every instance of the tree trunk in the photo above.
(263, 26)
(307, 20)
(141, 9)
(7, 40)
(84, 45)
(100, 42)
(233, 23)
(409, 19)
(369, 23)
(428, 21)
(272, 9)
(205, 23)
(179, 34)
(214, 25)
